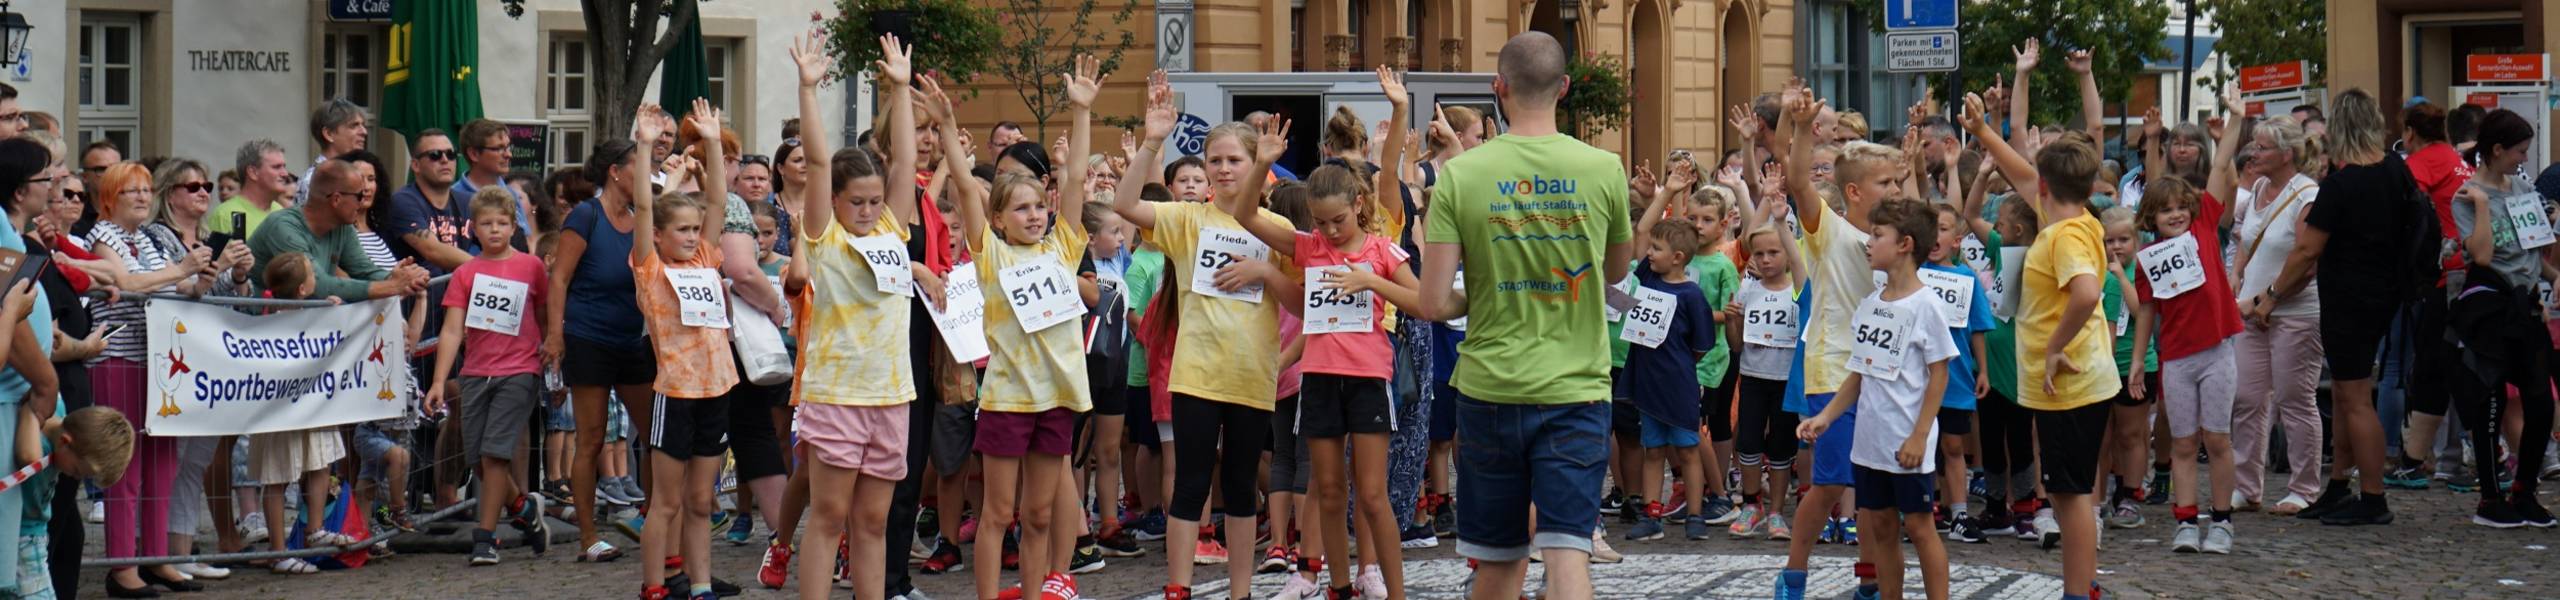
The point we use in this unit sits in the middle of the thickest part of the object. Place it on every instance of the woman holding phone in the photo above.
(154, 261)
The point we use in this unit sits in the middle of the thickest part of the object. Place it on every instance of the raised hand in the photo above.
(1678, 178)
(1161, 115)
(704, 119)
(1745, 122)
(1643, 181)
(1085, 82)
(809, 52)
(1441, 133)
(2028, 55)
(895, 63)
(2078, 60)
(1273, 140)
(937, 105)
(1998, 96)
(1393, 87)
(1973, 118)
(2231, 100)
(648, 122)
(1128, 144)
(2151, 127)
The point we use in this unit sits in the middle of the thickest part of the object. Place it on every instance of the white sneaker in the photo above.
(1600, 551)
(2217, 538)
(2188, 539)
(98, 512)
(204, 571)
(1300, 588)
(1371, 582)
(2048, 528)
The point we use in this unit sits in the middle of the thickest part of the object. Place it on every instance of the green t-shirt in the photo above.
(219, 220)
(1716, 275)
(2116, 312)
(1145, 266)
(1533, 218)
(39, 490)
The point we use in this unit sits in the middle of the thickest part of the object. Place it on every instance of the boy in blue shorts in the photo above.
(1669, 328)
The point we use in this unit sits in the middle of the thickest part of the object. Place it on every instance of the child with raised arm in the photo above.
(1669, 328)
(1035, 380)
(493, 309)
(1347, 359)
(1897, 376)
(687, 313)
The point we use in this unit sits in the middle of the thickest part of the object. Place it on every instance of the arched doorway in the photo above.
(1649, 63)
(1741, 58)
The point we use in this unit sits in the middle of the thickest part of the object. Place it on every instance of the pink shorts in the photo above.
(1012, 435)
(869, 440)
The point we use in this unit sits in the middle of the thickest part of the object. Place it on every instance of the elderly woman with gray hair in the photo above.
(339, 127)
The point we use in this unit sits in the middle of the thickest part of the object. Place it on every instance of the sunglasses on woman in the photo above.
(193, 187)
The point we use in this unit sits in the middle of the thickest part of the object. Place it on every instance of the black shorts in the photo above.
(689, 429)
(755, 445)
(2351, 329)
(1141, 416)
(1907, 493)
(2067, 443)
(1954, 421)
(1624, 421)
(1330, 406)
(1109, 399)
(1715, 407)
(585, 363)
(2150, 385)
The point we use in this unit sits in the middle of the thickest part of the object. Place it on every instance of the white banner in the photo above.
(216, 371)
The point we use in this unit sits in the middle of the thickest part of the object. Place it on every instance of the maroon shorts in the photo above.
(1004, 434)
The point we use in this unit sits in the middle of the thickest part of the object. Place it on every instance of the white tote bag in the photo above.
(759, 344)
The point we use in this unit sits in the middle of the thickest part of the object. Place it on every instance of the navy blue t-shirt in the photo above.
(603, 306)
(1663, 381)
(410, 213)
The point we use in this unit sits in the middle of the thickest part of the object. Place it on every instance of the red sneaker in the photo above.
(1058, 586)
(776, 567)
(654, 592)
(1011, 593)
(1177, 592)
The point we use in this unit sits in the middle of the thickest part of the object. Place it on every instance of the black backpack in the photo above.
(2419, 265)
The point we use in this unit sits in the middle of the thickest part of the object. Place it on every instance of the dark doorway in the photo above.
(1307, 113)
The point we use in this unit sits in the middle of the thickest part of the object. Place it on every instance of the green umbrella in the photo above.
(434, 80)
(684, 77)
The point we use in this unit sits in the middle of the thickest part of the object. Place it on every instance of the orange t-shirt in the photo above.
(693, 362)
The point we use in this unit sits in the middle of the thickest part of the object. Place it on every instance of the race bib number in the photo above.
(1649, 322)
(1041, 293)
(888, 260)
(1332, 310)
(1975, 256)
(1954, 292)
(2004, 289)
(1881, 332)
(1768, 317)
(497, 304)
(700, 301)
(1219, 247)
(2533, 227)
(2172, 266)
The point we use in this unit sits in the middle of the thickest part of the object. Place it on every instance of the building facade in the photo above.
(2398, 49)
(1689, 59)
(197, 78)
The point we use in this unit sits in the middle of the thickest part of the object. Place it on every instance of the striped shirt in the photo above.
(151, 248)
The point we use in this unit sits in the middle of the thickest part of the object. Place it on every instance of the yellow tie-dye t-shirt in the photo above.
(1029, 372)
(1227, 350)
(854, 349)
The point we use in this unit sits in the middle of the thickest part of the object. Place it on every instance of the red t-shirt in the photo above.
(2439, 171)
(494, 354)
(2194, 321)
(1364, 354)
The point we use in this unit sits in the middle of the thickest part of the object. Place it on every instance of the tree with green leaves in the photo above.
(2118, 34)
(1038, 47)
(952, 39)
(2259, 32)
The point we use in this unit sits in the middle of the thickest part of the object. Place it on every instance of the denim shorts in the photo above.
(560, 418)
(1659, 433)
(1511, 456)
(371, 444)
(1831, 451)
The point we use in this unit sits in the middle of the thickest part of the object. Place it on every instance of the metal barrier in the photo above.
(242, 301)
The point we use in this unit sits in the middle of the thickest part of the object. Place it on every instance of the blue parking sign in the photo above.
(1919, 14)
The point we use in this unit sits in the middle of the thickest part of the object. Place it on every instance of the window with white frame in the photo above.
(351, 64)
(110, 70)
(718, 67)
(567, 99)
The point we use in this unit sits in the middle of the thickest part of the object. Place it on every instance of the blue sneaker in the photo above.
(742, 529)
(1148, 527)
(1647, 528)
(1790, 585)
(1830, 531)
(1868, 593)
(1849, 531)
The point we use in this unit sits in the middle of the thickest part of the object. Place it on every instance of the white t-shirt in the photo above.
(1889, 409)
(2277, 221)
(1838, 272)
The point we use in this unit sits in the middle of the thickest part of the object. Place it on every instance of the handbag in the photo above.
(759, 344)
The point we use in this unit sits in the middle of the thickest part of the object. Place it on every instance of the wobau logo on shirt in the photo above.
(1565, 287)
(1535, 186)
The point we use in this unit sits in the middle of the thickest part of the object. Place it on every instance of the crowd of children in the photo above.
(917, 362)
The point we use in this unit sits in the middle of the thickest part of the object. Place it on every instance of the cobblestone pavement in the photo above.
(2431, 552)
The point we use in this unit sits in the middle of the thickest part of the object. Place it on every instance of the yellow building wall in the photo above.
(1462, 36)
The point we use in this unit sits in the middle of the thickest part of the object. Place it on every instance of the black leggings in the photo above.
(1201, 429)
(2008, 445)
(1715, 407)
(1766, 428)
(2483, 407)
(2429, 382)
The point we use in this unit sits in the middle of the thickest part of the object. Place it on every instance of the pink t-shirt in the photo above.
(1352, 354)
(1289, 373)
(492, 354)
